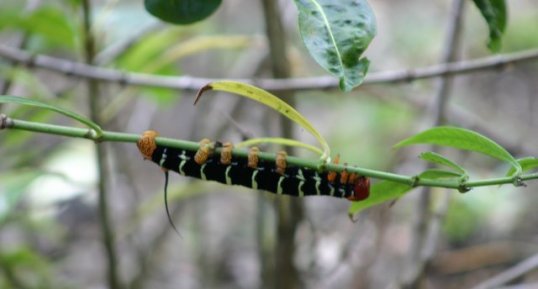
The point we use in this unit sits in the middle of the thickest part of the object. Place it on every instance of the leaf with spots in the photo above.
(336, 33)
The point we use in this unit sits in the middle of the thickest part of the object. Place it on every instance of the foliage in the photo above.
(336, 33)
(181, 11)
(495, 14)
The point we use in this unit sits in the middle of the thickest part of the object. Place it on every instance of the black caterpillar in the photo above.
(253, 173)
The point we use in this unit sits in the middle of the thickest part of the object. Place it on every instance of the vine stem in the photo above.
(109, 136)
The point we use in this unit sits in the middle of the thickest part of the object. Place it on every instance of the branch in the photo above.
(108, 136)
(427, 228)
(77, 69)
(94, 98)
(520, 269)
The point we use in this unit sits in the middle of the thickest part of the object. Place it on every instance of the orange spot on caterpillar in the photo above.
(253, 157)
(146, 144)
(344, 177)
(331, 176)
(203, 153)
(281, 162)
(226, 153)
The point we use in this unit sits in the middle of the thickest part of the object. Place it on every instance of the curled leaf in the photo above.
(280, 141)
(270, 100)
(32, 102)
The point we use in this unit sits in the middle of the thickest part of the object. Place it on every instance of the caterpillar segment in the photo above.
(253, 172)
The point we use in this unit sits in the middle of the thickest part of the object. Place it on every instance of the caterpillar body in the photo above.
(251, 172)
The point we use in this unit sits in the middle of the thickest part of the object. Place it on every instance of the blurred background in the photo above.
(52, 230)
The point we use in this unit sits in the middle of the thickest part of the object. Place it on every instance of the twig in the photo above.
(108, 136)
(532, 285)
(77, 69)
(290, 211)
(428, 226)
(94, 101)
(520, 269)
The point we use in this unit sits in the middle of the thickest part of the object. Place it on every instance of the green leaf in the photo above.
(51, 25)
(379, 193)
(196, 45)
(280, 141)
(439, 174)
(270, 100)
(14, 184)
(463, 139)
(336, 33)
(70, 114)
(181, 11)
(436, 158)
(527, 164)
(494, 12)
(148, 48)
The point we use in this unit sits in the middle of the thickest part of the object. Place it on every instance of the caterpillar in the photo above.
(276, 177)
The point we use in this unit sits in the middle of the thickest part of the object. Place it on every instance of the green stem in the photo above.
(109, 136)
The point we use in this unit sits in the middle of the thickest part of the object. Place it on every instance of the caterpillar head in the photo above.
(361, 189)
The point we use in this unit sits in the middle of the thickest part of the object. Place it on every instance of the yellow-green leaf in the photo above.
(280, 141)
(270, 100)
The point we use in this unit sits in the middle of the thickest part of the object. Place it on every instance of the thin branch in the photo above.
(77, 69)
(518, 270)
(94, 101)
(290, 212)
(108, 136)
(428, 226)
